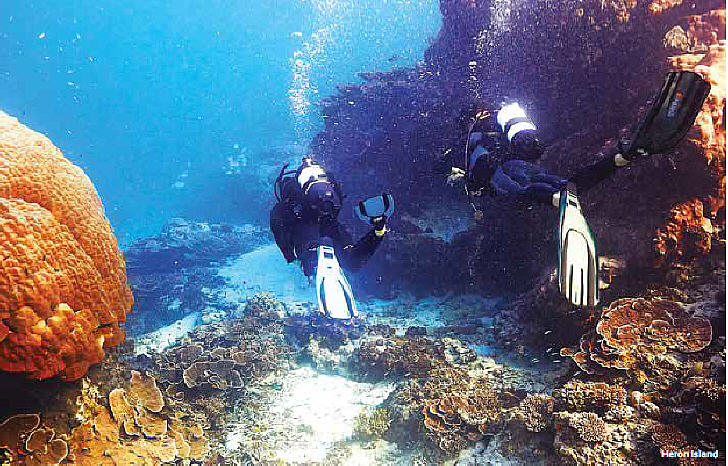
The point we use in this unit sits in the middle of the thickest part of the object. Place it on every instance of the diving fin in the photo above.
(671, 115)
(375, 207)
(578, 280)
(335, 298)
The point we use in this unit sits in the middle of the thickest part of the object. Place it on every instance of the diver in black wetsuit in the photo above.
(305, 217)
(516, 177)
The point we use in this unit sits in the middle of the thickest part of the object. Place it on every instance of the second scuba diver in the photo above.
(305, 226)
(672, 114)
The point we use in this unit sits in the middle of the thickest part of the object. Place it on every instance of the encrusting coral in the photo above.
(29, 443)
(63, 289)
(686, 235)
(372, 424)
(634, 331)
(535, 412)
(580, 396)
(691, 224)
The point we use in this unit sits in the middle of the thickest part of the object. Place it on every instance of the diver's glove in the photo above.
(375, 211)
(380, 226)
(457, 175)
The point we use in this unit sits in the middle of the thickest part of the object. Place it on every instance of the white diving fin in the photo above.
(335, 298)
(578, 280)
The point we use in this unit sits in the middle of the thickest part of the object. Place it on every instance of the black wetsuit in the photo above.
(514, 175)
(298, 233)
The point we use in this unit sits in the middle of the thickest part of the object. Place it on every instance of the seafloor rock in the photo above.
(174, 274)
(63, 290)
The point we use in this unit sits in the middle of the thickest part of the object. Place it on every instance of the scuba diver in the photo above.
(305, 227)
(672, 114)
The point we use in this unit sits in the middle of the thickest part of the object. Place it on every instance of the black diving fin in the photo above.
(672, 114)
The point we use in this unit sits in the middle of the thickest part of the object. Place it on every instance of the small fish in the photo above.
(535, 360)
(548, 350)
(556, 361)
(547, 332)
(41, 35)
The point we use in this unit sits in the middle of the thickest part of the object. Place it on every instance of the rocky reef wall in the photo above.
(583, 70)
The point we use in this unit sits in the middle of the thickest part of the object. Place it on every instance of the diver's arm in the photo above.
(665, 124)
(355, 255)
(591, 175)
(282, 223)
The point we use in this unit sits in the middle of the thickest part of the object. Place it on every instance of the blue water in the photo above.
(187, 108)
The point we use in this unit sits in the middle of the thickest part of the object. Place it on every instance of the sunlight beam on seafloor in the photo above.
(308, 415)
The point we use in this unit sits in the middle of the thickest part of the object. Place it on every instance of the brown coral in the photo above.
(415, 356)
(63, 287)
(535, 411)
(579, 396)
(143, 391)
(685, 236)
(157, 437)
(13, 428)
(123, 412)
(463, 416)
(636, 329)
(668, 437)
(31, 444)
(590, 427)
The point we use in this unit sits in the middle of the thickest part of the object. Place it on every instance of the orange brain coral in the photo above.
(63, 288)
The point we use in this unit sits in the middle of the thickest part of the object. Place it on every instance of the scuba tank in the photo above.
(310, 190)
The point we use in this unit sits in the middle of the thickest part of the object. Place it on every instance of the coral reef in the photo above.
(223, 355)
(29, 443)
(576, 395)
(146, 436)
(372, 424)
(686, 236)
(535, 412)
(133, 429)
(639, 335)
(173, 274)
(63, 290)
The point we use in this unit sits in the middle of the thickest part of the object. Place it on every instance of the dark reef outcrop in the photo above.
(173, 274)
(582, 69)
